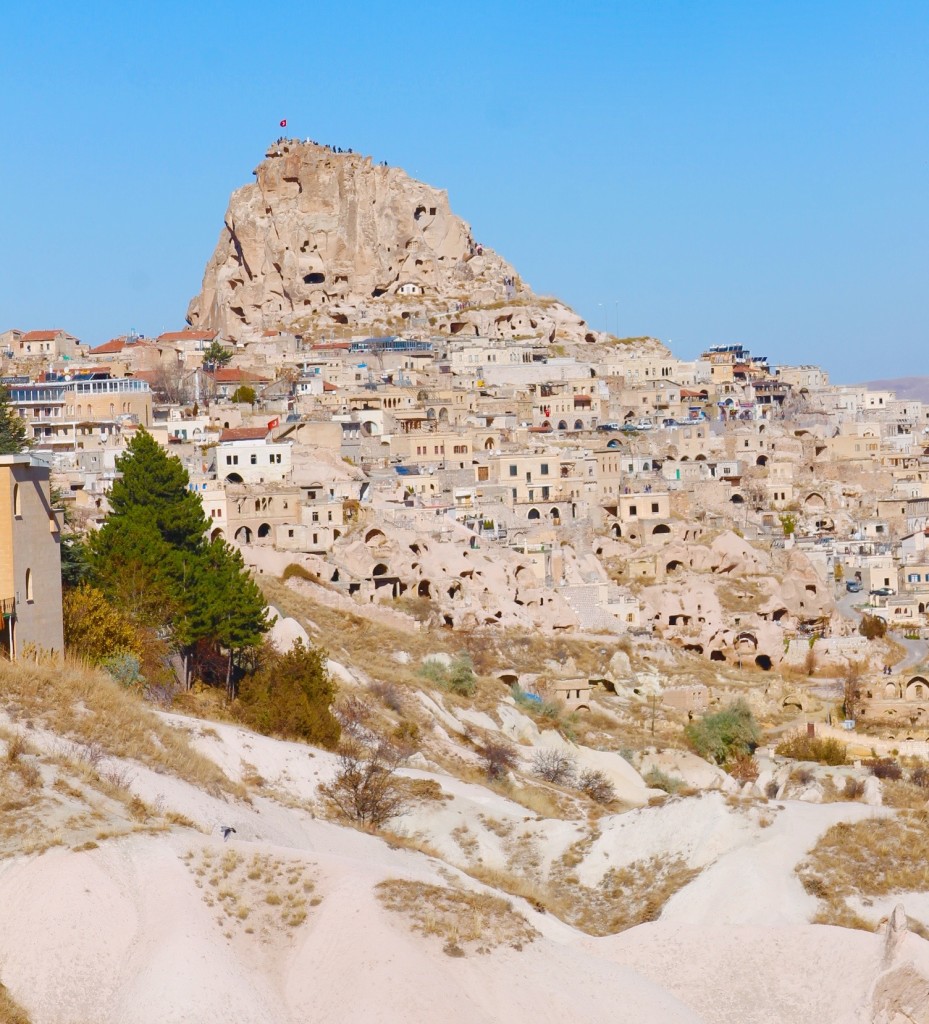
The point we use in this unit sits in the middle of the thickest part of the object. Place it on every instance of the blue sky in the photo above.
(701, 171)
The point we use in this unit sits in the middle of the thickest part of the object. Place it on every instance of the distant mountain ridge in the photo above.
(915, 388)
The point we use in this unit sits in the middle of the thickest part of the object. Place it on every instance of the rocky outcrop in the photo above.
(327, 240)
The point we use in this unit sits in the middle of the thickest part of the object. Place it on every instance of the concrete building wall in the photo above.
(30, 558)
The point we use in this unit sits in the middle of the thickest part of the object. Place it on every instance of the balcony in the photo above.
(7, 606)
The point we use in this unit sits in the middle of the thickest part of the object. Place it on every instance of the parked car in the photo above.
(609, 426)
(882, 592)
(853, 586)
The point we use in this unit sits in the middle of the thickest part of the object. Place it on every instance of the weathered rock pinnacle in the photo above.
(331, 240)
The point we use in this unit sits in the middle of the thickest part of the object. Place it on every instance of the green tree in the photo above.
(725, 735)
(12, 427)
(245, 393)
(215, 355)
(136, 568)
(225, 607)
(152, 559)
(291, 695)
(788, 524)
(153, 482)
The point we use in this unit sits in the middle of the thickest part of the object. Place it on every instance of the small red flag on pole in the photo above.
(284, 123)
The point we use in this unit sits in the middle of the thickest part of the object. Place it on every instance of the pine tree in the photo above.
(12, 427)
(215, 355)
(229, 609)
(151, 558)
(157, 483)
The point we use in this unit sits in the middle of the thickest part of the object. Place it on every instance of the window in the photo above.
(29, 595)
(253, 459)
(315, 516)
(654, 506)
(633, 511)
(513, 470)
(17, 501)
(543, 469)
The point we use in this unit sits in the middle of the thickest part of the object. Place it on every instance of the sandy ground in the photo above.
(122, 934)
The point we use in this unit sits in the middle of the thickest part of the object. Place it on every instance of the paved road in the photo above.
(917, 651)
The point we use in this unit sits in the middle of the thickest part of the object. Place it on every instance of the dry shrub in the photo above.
(366, 789)
(920, 777)
(884, 768)
(458, 917)
(596, 786)
(407, 736)
(821, 750)
(554, 765)
(389, 694)
(498, 758)
(854, 788)
(744, 768)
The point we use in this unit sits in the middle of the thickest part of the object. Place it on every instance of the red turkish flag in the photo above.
(284, 123)
(276, 422)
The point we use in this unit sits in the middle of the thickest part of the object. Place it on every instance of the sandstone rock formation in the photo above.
(331, 240)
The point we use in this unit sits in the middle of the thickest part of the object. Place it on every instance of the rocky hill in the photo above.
(327, 240)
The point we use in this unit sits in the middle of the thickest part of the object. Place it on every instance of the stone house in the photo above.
(246, 454)
(30, 559)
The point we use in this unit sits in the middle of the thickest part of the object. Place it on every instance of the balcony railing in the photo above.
(7, 606)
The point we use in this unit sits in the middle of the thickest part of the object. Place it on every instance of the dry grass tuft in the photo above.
(421, 790)
(459, 917)
(870, 858)
(10, 1011)
(260, 894)
(91, 708)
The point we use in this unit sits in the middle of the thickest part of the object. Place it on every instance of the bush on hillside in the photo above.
(366, 788)
(884, 768)
(291, 695)
(596, 786)
(724, 735)
(555, 765)
(95, 629)
(498, 758)
(872, 627)
(458, 677)
(822, 750)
